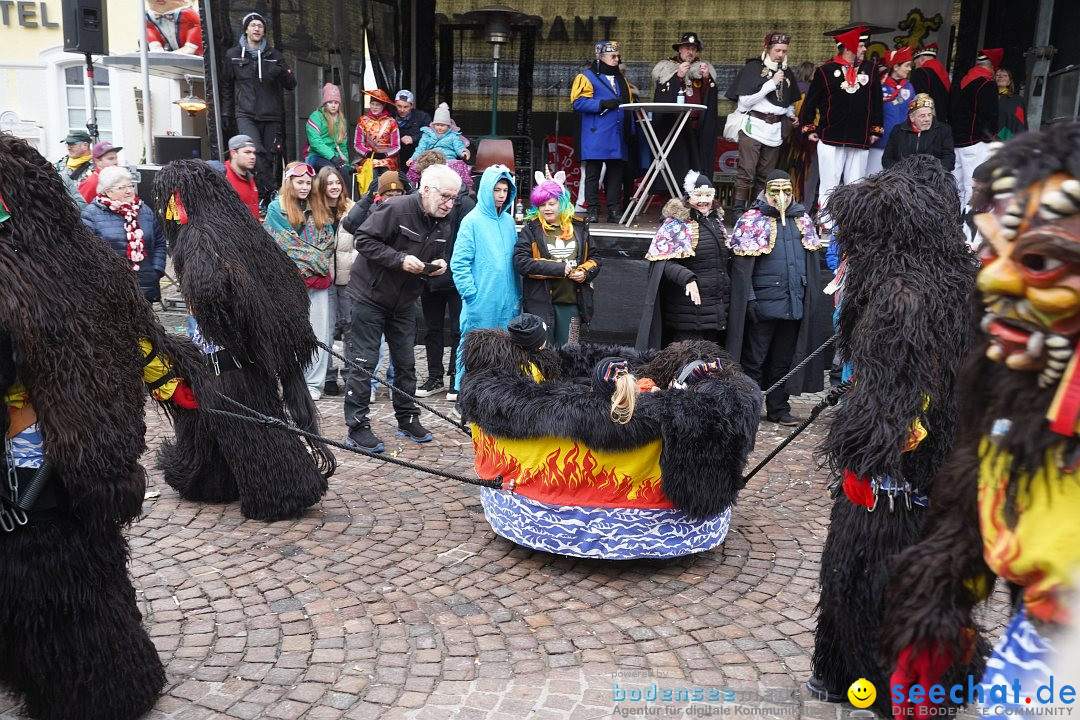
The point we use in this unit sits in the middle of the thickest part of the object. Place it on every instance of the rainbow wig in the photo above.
(545, 191)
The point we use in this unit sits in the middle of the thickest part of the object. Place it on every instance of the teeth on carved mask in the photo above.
(1003, 185)
(995, 353)
(1057, 341)
(1056, 364)
(1007, 234)
(1035, 344)
(1061, 353)
(986, 322)
(1056, 204)
(1009, 220)
(1045, 380)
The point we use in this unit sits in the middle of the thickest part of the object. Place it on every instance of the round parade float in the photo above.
(577, 483)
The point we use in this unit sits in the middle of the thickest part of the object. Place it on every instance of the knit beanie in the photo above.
(442, 115)
(605, 374)
(330, 93)
(247, 21)
(390, 180)
(528, 331)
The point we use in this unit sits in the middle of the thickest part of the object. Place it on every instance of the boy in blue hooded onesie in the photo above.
(482, 263)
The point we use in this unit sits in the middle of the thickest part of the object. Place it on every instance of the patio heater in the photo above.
(496, 20)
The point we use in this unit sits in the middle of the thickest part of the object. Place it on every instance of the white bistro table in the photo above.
(660, 151)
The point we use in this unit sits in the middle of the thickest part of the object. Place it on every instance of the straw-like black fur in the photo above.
(248, 298)
(932, 589)
(707, 432)
(903, 325)
(71, 317)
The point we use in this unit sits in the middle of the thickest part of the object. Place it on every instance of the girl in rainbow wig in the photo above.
(554, 257)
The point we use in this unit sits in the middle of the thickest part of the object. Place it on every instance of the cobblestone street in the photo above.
(394, 599)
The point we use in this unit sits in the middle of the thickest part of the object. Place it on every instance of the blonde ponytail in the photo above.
(624, 398)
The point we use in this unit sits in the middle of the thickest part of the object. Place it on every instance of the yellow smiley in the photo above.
(862, 693)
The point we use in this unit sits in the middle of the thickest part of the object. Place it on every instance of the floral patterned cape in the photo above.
(755, 233)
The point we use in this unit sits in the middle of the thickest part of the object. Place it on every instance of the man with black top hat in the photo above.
(974, 113)
(930, 76)
(687, 74)
(766, 90)
(77, 163)
(846, 91)
(252, 78)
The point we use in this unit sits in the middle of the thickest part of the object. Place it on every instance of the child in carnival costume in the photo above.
(906, 279)
(76, 348)
(1006, 502)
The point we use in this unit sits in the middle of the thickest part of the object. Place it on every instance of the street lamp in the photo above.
(192, 103)
(497, 20)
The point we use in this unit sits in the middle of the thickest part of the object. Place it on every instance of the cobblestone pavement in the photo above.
(393, 598)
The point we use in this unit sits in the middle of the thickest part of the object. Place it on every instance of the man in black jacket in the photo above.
(974, 117)
(921, 135)
(410, 122)
(398, 245)
(252, 79)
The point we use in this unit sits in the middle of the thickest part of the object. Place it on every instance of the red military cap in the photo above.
(994, 55)
(898, 57)
(850, 39)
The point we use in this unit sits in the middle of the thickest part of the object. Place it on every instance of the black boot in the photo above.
(592, 214)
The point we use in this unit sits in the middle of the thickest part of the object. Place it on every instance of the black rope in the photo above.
(274, 423)
(795, 370)
(372, 376)
(831, 398)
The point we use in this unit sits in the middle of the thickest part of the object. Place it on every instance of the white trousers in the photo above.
(838, 164)
(873, 160)
(967, 159)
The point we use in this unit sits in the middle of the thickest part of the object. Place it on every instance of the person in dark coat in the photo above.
(410, 122)
(1011, 116)
(973, 117)
(930, 76)
(121, 219)
(688, 289)
(921, 135)
(686, 73)
(252, 78)
(845, 93)
(776, 296)
(555, 259)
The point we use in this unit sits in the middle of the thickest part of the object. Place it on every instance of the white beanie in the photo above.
(442, 115)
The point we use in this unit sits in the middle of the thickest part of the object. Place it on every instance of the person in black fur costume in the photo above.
(72, 646)
(902, 328)
(250, 306)
(1006, 502)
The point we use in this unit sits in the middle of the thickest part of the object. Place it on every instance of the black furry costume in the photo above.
(707, 433)
(71, 318)
(247, 298)
(902, 328)
(937, 582)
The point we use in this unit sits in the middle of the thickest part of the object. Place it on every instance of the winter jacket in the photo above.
(904, 141)
(319, 141)
(605, 131)
(894, 112)
(252, 81)
(109, 226)
(779, 279)
(397, 227)
(846, 118)
(410, 127)
(462, 207)
(973, 109)
(533, 261)
(482, 263)
(450, 143)
(709, 268)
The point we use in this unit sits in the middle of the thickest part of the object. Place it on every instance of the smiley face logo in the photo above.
(862, 693)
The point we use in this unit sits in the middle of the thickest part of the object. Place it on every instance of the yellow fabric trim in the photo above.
(533, 372)
(17, 396)
(582, 88)
(157, 369)
(74, 163)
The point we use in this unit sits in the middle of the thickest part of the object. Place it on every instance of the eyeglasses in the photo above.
(122, 188)
(446, 197)
(300, 170)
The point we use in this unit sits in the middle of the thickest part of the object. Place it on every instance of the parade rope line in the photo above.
(372, 376)
(259, 418)
(795, 370)
(831, 398)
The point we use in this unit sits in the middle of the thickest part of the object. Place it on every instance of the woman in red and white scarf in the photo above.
(119, 217)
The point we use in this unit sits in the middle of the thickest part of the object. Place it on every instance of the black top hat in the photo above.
(689, 38)
(868, 29)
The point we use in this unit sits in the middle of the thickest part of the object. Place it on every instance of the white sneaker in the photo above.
(315, 394)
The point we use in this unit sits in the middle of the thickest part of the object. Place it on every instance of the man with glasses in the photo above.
(399, 244)
(605, 129)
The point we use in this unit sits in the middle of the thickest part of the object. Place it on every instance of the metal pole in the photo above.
(144, 65)
(210, 47)
(1044, 53)
(494, 87)
(88, 89)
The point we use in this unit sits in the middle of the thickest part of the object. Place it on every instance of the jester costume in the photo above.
(1006, 502)
(251, 322)
(575, 482)
(75, 349)
(907, 276)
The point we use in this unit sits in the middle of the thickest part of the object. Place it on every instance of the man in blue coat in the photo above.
(598, 92)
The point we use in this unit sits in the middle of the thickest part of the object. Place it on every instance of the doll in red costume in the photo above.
(173, 26)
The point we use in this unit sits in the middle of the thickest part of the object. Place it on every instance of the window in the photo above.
(75, 96)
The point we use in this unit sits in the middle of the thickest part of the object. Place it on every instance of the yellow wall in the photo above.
(23, 43)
